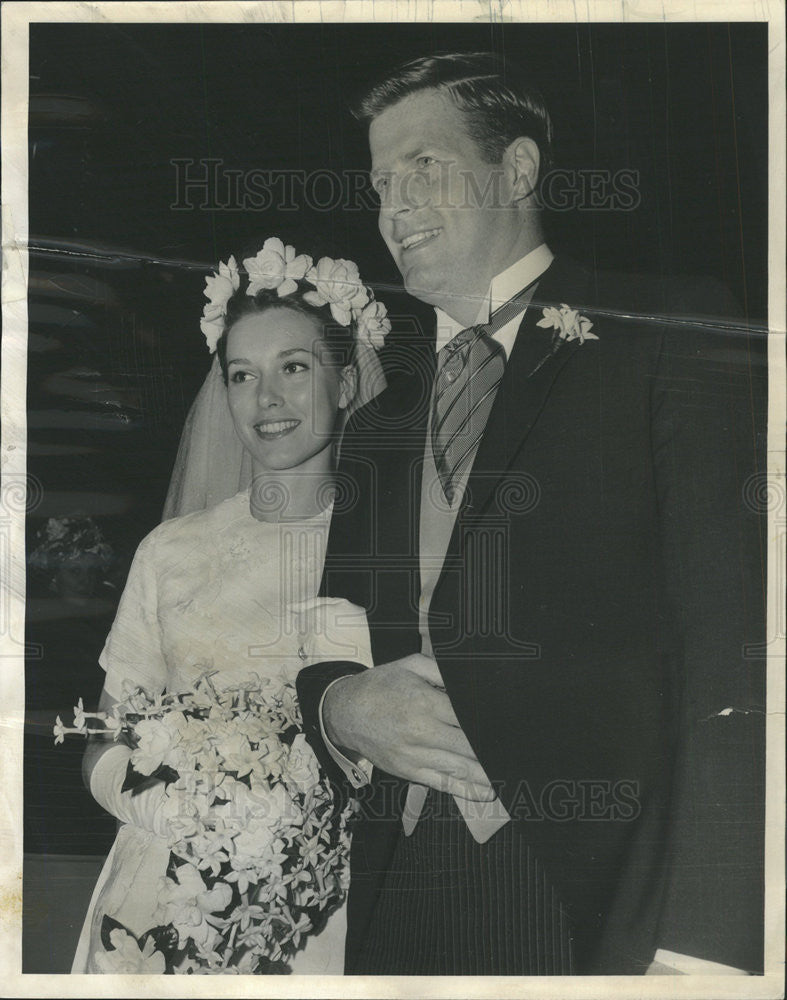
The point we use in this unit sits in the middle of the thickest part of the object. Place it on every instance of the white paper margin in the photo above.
(16, 17)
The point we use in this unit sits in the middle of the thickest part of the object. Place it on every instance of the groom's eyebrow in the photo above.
(406, 158)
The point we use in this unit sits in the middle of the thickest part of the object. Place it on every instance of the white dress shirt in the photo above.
(503, 287)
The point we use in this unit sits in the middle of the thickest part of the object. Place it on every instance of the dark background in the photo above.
(116, 354)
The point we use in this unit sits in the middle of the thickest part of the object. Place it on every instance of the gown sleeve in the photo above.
(133, 653)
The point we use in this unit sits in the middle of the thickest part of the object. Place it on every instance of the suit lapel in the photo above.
(398, 462)
(372, 557)
(393, 614)
(396, 458)
(528, 378)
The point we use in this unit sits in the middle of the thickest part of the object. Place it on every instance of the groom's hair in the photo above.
(498, 103)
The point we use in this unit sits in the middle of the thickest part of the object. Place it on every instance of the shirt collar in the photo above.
(502, 287)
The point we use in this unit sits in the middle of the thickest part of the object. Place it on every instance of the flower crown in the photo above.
(336, 283)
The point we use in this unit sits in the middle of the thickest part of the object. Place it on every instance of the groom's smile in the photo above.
(419, 239)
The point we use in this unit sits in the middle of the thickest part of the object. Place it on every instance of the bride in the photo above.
(212, 589)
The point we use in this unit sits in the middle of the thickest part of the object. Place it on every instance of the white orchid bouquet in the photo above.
(258, 849)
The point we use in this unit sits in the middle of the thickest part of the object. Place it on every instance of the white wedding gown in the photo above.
(206, 591)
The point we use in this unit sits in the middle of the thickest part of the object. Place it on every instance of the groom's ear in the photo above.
(521, 159)
(348, 385)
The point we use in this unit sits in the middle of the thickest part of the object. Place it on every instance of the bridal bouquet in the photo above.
(258, 852)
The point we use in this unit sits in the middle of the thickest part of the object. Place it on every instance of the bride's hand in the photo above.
(399, 717)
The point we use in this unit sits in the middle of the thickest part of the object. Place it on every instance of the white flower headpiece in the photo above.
(336, 283)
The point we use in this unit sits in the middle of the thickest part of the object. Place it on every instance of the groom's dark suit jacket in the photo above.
(599, 621)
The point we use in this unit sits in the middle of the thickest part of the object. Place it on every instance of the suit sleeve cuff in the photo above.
(357, 772)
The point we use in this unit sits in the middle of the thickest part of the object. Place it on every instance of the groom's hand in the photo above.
(399, 717)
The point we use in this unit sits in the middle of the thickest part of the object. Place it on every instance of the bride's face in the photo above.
(284, 393)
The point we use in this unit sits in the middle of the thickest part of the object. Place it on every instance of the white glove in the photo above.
(331, 628)
(152, 809)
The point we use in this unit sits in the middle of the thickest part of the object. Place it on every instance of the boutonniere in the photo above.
(567, 324)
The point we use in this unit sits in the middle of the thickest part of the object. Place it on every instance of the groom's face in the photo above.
(447, 215)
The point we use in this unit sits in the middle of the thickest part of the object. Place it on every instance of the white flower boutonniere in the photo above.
(567, 324)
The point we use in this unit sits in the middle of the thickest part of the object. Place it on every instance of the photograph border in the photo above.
(16, 486)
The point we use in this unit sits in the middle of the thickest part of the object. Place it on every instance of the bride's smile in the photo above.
(270, 430)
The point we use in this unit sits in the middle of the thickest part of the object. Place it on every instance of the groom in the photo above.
(559, 749)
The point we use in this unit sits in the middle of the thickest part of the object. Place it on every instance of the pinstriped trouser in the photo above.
(451, 906)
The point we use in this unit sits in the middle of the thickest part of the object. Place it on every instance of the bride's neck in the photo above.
(291, 494)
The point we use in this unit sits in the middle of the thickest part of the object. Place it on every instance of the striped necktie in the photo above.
(470, 369)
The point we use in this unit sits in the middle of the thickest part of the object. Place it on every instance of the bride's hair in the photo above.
(339, 339)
